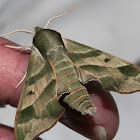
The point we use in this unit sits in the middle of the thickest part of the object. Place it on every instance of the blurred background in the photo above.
(109, 25)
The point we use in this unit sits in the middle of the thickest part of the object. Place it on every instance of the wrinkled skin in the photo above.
(13, 65)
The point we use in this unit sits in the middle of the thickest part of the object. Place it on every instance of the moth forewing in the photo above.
(38, 106)
(49, 68)
(115, 74)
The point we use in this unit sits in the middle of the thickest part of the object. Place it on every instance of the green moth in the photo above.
(58, 67)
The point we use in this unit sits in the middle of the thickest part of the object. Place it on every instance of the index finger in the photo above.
(13, 65)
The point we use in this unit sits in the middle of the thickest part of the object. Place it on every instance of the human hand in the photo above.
(13, 65)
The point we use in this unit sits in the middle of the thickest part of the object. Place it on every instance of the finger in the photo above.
(106, 117)
(6, 133)
(13, 65)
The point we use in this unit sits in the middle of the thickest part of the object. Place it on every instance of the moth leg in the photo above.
(21, 80)
(22, 48)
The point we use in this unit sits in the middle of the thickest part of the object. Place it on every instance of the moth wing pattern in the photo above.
(38, 109)
(114, 73)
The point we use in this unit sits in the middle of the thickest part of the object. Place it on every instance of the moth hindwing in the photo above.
(58, 66)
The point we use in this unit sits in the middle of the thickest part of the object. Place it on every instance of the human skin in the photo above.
(13, 66)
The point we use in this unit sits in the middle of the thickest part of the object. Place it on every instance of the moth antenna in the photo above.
(61, 15)
(23, 78)
(26, 31)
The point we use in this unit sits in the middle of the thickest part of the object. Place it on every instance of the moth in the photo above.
(60, 66)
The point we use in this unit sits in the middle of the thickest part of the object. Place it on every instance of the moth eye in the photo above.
(37, 29)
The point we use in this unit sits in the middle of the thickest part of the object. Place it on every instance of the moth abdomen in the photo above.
(78, 97)
(67, 80)
(79, 100)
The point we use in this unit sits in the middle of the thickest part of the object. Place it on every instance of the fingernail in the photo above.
(100, 133)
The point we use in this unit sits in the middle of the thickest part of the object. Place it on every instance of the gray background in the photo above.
(109, 25)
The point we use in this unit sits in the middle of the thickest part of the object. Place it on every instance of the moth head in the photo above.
(46, 40)
(38, 29)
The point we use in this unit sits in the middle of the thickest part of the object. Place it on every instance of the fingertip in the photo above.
(106, 117)
(13, 65)
(6, 133)
(107, 112)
